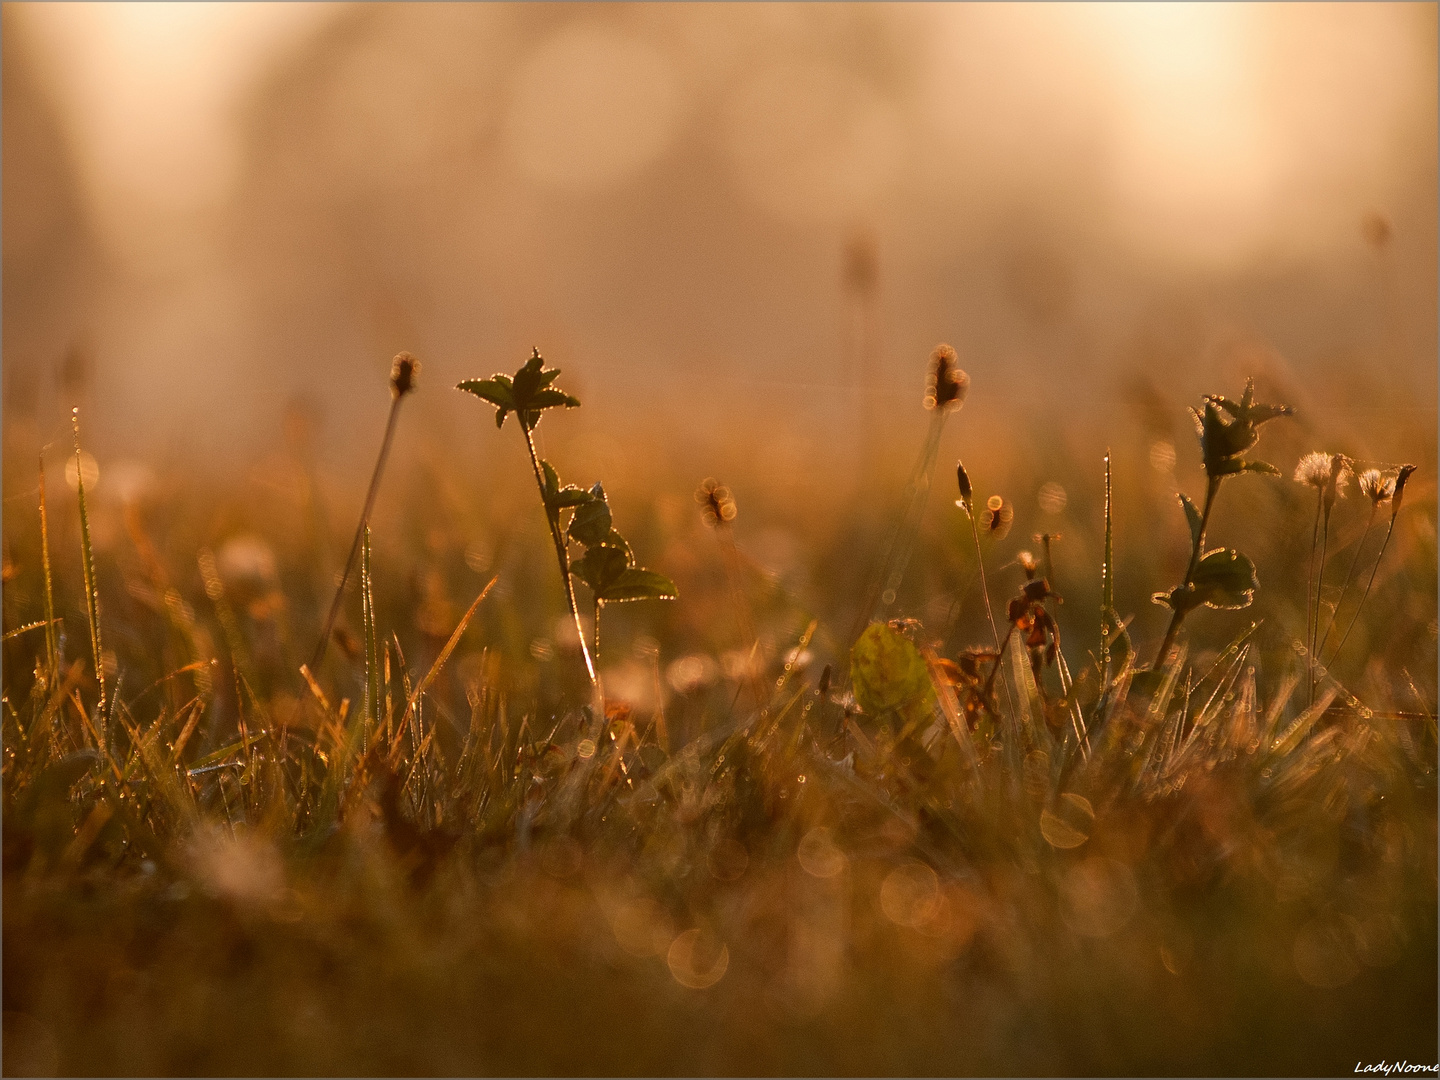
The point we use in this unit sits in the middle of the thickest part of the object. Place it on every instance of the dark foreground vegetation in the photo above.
(538, 829)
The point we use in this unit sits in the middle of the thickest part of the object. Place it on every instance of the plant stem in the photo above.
(1349, 575)
(1107, 586)
(1366, 595)
(595, 633)
(359, 534)
(562, 556)
(1310, 581)
(52, 648)
(1212, 486)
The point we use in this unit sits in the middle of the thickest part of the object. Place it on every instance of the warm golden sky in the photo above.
(673, 185)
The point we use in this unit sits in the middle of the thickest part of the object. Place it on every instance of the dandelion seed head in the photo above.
(1314, 469)
(1376, 486)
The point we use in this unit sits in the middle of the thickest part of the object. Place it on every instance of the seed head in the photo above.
(1327, 473)
(717, 505)
(1376, 486)
(947, 384)
(1028, 564)
(402, 374)
(966, 492)
(1401, 477)
(1314, 469)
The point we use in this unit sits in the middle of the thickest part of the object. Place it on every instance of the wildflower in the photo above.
(1028, 564)
(948, 384)
(1326, 473)
(1376, 486)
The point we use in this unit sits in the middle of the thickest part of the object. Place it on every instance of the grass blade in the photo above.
(372, 710)
(87, 555)
(52, 647)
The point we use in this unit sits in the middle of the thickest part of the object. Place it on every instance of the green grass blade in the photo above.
(372, 711)
(1107, 582)
(52, 647)
(87, 555)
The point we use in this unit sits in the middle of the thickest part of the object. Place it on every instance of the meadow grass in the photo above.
(457, 843)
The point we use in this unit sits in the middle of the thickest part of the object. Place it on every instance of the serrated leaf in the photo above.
(1192, 515)
(590, 524)
(889, 673)
(635, 583)
(601, 568)
(547, 399)
(495, 390)
(527, 393)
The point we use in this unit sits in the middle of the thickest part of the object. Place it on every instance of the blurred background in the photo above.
(739, 230)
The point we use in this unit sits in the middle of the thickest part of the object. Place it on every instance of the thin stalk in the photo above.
(52, 647)
(562, 556)
(1310, 615)
(595, 633)
(1107, 586)
(359, 534)
(1212, 486)
(984, 585)
(1319, 584)
(1349, 575)
(372, 708)
(1366, 595)
(92, 594)
(886, 583)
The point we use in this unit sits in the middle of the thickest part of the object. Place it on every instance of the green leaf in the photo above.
(1224, 579)
(889, 674)
(552, 481)
(1261, 467)
(570, 495)
(547, 399)
(601, 568)
(590, 524)
(635, 583)
(1192, 515)
(496, 390)
(558, 498)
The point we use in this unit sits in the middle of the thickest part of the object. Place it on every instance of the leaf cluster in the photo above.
(608, 565)
(1229, 428)
(527, 393)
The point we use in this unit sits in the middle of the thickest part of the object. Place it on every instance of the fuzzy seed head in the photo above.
(1314, 469)
(947, 384)
(1327, 473)
(1376, 486)
(966, 492)
(402, 374)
